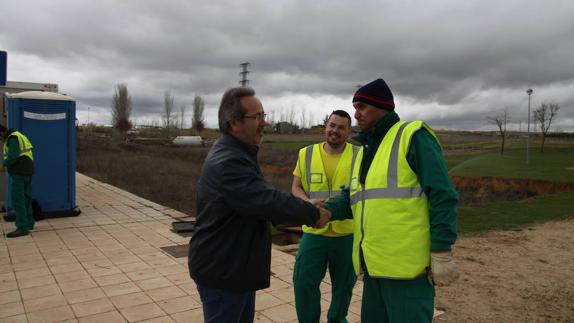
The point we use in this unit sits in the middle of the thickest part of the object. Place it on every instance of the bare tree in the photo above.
(303, 119)
(288, 115)
(311, 119)
(270, 121)
(168, 110)
(544, 115)
(197, 121)
(501, 121)
(325, 120)
(121, 108)
(182, 116)
(291, 115)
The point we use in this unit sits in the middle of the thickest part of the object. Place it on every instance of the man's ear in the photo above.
(233, 124)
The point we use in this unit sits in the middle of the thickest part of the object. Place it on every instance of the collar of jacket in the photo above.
(228, 139)
(380, 129)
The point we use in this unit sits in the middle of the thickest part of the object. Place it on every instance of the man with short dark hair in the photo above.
(321, 170)
(230, 252)
(19, 161)
(404, 208)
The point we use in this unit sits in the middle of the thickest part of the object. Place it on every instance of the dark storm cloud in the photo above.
(472, 56)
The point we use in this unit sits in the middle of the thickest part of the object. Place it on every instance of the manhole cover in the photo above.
(177, 251)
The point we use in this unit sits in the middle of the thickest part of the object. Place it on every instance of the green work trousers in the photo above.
(21, 194)
(315, 254)
(397, 301)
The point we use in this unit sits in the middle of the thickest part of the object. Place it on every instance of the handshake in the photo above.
(324, 214)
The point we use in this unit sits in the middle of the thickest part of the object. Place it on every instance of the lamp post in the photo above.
(529, 92)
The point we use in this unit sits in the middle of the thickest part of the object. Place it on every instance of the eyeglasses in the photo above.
(258, 116)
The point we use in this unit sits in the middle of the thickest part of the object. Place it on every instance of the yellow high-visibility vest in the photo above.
(315, 183)
(23, 143)
(391, 211)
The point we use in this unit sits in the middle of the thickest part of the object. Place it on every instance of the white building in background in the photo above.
(16, 87)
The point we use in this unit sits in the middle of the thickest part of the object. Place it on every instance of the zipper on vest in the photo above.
(321, 151)
(362, 264)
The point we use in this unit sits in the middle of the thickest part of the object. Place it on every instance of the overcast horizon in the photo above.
(449, 63)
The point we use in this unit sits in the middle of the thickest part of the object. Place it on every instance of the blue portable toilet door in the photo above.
(46, 124)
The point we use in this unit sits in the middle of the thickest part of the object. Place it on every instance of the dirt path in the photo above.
(513, 276)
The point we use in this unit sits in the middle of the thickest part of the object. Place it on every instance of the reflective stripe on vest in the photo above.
(392, 229)
(316, 186)
(392, 190)
(23, 144)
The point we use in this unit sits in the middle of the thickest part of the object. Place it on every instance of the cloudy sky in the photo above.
(450, 63)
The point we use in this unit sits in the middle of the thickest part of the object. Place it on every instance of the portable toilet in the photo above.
(48, 120)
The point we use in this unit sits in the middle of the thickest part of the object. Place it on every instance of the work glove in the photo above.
(443, 270)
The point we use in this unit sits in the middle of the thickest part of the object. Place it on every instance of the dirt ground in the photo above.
(526, 275)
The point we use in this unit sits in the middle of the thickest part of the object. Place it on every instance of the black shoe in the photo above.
(16, 233)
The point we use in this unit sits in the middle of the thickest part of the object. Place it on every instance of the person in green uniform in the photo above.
(404, 208)
(320, 172)
(19, 161)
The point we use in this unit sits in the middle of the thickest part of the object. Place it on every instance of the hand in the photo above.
(443, 269)
(324, 218)
(318, 203)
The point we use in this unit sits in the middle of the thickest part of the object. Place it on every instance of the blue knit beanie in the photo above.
(377, 94)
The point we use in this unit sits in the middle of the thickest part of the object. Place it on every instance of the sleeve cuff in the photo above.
(440, 247)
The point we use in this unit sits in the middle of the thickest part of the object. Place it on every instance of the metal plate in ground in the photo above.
(177, 251)
(183, 226)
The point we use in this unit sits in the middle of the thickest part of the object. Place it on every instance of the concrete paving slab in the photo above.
(107, 265)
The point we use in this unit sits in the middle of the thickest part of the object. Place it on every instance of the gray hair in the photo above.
(230, 107)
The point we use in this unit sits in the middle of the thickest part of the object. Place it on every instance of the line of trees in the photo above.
(122, 110)
(541, 116)
(171, 119)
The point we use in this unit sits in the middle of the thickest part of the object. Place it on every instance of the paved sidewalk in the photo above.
(106, 265)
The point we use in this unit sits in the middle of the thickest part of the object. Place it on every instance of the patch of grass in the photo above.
(553, 165)
(165, 175)
(510, 215)
(454, 160)
(471, 145)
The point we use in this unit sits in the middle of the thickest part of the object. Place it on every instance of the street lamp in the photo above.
(529, 92)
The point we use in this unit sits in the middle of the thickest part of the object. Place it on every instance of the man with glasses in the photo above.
(322, 169)
(230, 252)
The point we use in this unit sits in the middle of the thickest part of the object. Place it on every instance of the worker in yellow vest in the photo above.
(322, 169)
(404, 207)
(19, 161)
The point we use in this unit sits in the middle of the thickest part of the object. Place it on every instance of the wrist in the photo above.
(316, 214)
(440, 247)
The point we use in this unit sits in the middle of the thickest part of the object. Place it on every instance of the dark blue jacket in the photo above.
(231, 245)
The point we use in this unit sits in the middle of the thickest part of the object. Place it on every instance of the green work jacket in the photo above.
(18, 156)
(423, 156)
